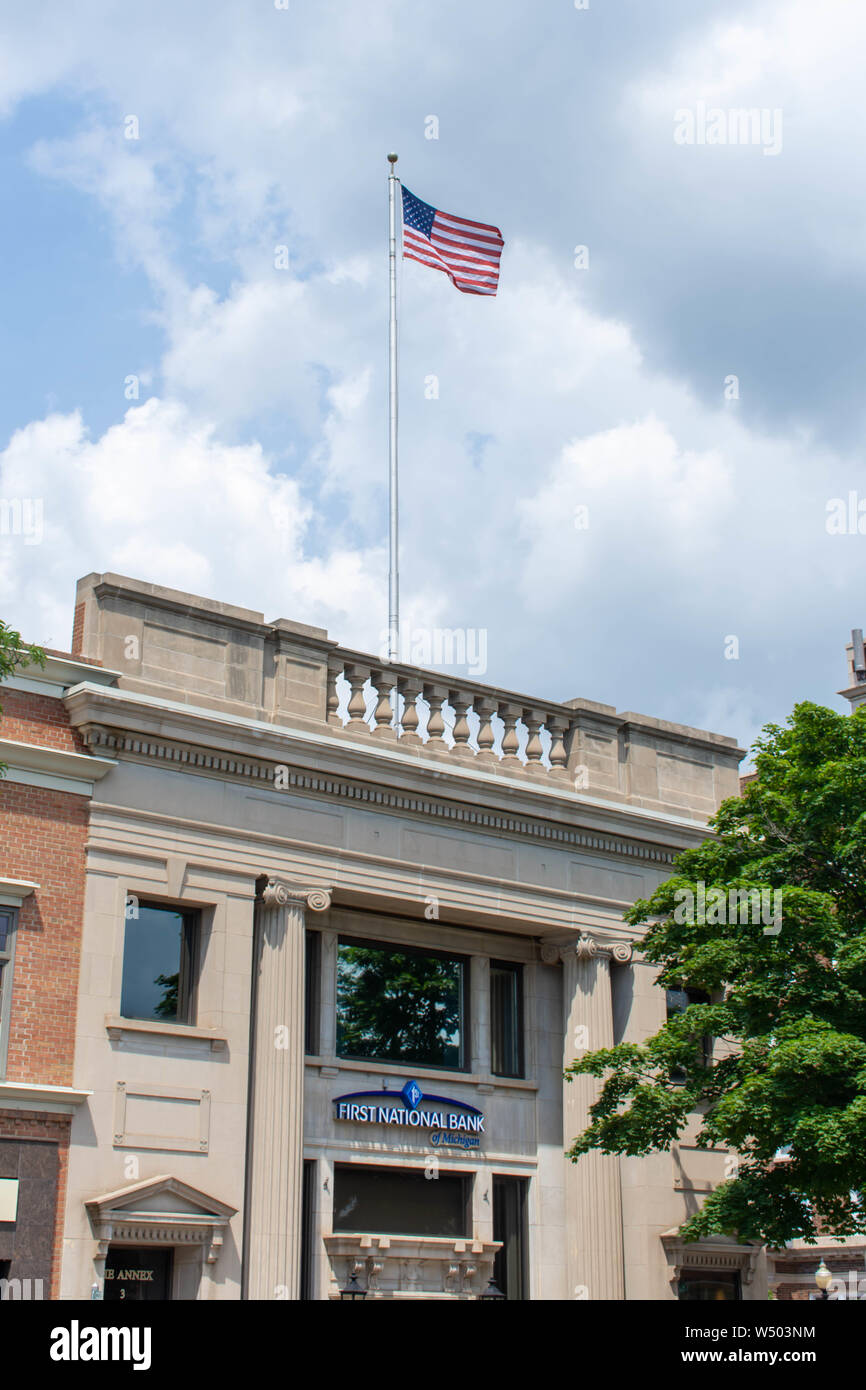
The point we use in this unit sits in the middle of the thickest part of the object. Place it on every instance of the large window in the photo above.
(396, 1004)
(506, 1019)
(7, 946)
(160, 964)
(401, 1202)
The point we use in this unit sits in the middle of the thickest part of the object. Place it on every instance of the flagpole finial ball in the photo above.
(392, 159)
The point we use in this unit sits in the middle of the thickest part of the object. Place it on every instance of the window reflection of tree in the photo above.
(167, 1005)
(398, 1004)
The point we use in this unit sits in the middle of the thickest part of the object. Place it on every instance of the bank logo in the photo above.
(412, 1094)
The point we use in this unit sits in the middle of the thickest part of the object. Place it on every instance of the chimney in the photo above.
(856, 691)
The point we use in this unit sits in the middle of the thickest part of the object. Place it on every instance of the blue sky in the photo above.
(252, 465)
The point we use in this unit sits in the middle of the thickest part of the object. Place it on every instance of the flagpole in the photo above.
(393, 566)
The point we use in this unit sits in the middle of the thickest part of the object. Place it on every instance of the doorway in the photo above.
(137, 1274)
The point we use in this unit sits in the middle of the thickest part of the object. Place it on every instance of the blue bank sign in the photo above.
(447, 1122)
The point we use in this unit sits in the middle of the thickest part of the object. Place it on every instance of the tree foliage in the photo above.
(786, 1085)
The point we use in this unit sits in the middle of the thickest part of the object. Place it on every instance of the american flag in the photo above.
(468, 252)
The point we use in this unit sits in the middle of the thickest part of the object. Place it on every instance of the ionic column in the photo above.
(593, 1199)
(275, 1138)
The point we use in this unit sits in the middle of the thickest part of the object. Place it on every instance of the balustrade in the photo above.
(459, 721)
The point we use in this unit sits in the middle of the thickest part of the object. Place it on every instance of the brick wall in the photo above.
(77, 628)
(32, 1124)
(42, 836)
(38, 719)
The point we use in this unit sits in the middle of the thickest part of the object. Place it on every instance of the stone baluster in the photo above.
(461, 733)
(534, 719)
(510, 714)
(383, 681)
(334, 695)
(436, 696)
(409, 688)
(593, 1197)
(558, 726)
(356, 676)
(485, 709)
(272, 1252)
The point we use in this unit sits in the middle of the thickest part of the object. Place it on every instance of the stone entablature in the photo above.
(228, 659)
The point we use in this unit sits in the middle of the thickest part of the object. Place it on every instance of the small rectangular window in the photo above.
(312, 962)
(506, 1018)
(400, 1004)
(509, 1227)
(160, 964)
(308, 1197)
(7, 948)
(401, 1202)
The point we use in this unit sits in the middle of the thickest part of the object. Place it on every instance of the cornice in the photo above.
(54, 767)
(57, 675)
(344, 789)
(26, 1095)
(150, 720)
(114, 586)
(13, 891)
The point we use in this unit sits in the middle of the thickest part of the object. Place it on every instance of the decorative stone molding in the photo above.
(133, 1214)
(412, 1266)
(278, 893)
(723, 1254)
(338, 788)
(13, 891)
(24, 1095)
(193, 1102)
(586, 948)
(33, 764)
(116, 1027)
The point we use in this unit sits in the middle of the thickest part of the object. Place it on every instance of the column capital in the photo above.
(585, 948)
(276, 892)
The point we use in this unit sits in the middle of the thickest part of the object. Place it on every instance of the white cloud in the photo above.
(161, 498)
(700, 524)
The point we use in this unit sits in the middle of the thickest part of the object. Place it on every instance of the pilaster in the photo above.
(275, 1155)
(593, 1198)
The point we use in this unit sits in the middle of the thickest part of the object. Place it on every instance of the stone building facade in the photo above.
(293, 839)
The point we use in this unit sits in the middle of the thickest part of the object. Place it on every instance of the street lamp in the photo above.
(491, 1292)
(823, 1278)
(353, 1290)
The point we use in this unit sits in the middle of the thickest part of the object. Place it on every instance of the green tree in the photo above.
(13, 654)
(786, 1086)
